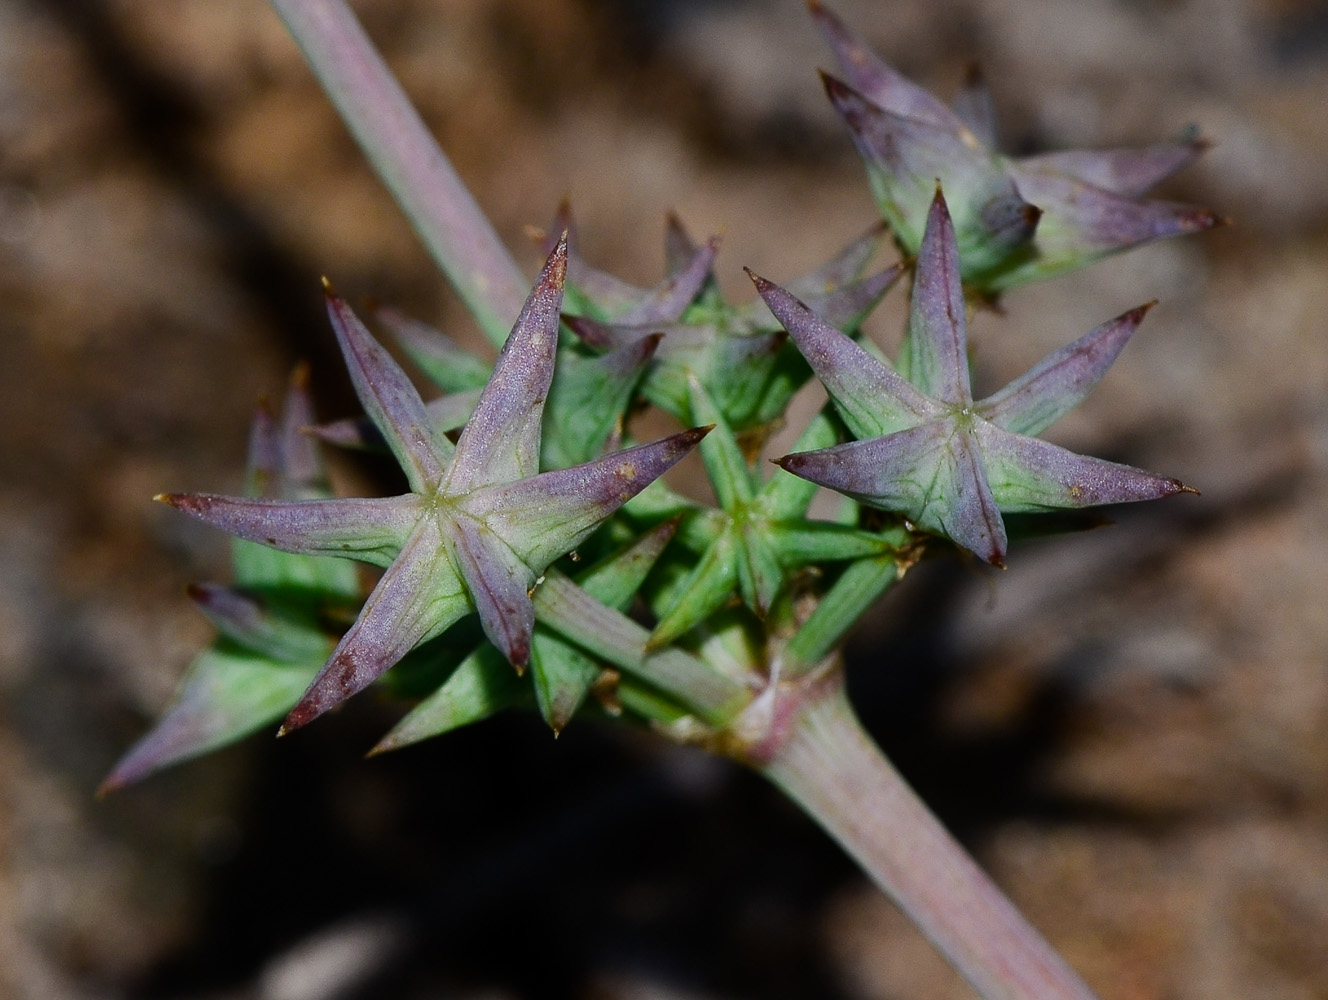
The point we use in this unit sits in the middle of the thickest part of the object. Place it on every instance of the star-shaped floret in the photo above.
(480, 523)
(1016, 218)
(760, 533)
(925, 448)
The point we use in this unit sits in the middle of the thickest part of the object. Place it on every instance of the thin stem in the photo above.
(846, 601)
(567, 609)
(830, 767)
(408, 160)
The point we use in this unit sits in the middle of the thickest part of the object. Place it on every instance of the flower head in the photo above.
(925, 448)
(1016, 219)
(480, 523)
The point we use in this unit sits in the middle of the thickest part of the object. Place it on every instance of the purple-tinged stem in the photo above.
(827, 763)
(409, 161)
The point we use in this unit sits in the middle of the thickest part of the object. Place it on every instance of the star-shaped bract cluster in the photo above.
(925, 449)
(480, 523)
(1016, 218)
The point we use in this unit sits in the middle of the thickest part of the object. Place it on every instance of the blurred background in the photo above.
(1129, 728)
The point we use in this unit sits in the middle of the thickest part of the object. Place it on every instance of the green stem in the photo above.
(567, 609)
(408, 160)
(840, 609)
(828, 764)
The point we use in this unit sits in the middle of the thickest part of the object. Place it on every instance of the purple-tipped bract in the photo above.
(1017, 218)
(479, 524)
(926, 449)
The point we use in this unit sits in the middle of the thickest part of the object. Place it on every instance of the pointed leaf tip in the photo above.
(499, 584)
(591, 333)
(679, 247)
(554, 273)
(300, 716)
(938, 206)
(1060, 381)
(835, 88)
(937, 336)
(764, 285)
(501, 441)
(196, 504)
(299, 379)
(545, 516)
(389, 399)
(692, 436)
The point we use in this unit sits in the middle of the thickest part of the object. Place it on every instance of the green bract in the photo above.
(764, 532)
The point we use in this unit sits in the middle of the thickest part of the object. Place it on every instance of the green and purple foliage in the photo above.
(1016, 219)
(480, 523)
(718, 624)
(271, 622)
(740, 355)
(924, 448)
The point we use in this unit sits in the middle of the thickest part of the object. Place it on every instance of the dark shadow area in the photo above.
(506, 860)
